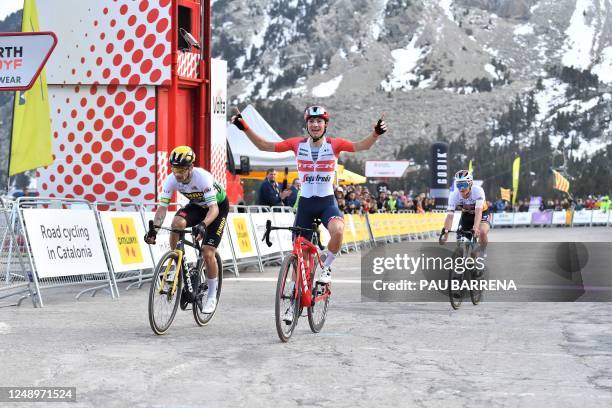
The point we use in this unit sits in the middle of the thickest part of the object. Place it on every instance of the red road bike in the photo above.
(296, 288)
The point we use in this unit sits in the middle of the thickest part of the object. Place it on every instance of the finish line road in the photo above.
(368, 354)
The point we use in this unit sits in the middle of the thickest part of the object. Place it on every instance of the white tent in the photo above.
(258, 159)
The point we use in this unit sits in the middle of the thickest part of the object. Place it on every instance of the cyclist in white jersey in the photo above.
(317, 156)
(207, 209)
(472, 203)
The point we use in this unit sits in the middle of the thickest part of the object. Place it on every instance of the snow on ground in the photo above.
(580, 37)
(446, 6)
(405, 61)
(579, 106)
(491, 71)
(585, 148)
(523, 29)
(327, 89)
(552, 95)
(378, 26)
(604, 68)
(257, 40)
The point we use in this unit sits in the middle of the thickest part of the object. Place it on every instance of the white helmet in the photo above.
(464, 176)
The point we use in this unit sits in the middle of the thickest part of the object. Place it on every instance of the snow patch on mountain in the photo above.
(492, 71)
(327, 89)
(523, 29)
(604, 69)
(580, 36)
(446, 5)
(406, 60)
(378, 26)
(550, 97)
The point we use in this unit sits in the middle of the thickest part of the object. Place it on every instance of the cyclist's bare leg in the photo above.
(177, 223)
(335, 226)
(483, 240)
(210, 260)
(484, 231)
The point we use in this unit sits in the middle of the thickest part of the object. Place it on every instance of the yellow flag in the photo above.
(515, 178)
(561, 182)
(31, 145)
(470, 168)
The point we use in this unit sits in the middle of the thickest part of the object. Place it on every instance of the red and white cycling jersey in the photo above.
(317, 177)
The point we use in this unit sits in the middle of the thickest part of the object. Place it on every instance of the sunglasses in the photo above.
(462, 185)
(180, 170)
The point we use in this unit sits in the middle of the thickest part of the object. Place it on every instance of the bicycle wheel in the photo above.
(162, 303)
(475, 294)
(203, 318)
(287, 299)
(318, 312)
(455, 280)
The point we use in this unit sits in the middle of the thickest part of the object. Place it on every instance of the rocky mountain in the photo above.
(487, 73)
(428, 64)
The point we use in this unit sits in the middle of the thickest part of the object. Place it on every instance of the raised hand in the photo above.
(238, 121)
(381, 126)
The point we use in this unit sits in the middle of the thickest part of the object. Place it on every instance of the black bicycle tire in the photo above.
(280, 324)
(456, 304)
(314, 327)
(195, 308)
(158, 270)
(475, 295)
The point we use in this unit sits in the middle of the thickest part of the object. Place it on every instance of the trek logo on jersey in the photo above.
(325, 166)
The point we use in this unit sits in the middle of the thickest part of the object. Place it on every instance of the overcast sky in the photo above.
(9, 6)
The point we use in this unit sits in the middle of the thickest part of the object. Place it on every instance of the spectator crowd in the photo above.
(591, 202)
(351, 199)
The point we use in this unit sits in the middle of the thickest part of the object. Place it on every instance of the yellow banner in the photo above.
(515, 178)
(127, 241)
(31, 145)
(471, 168)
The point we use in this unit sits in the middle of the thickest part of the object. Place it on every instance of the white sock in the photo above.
(329, 258)
(212, 287)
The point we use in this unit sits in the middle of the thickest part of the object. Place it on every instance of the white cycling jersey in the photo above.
(202, 189)
(317, 176)
(476, 199)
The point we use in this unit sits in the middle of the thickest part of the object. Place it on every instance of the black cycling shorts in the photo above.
(195, 214)
(467, 220)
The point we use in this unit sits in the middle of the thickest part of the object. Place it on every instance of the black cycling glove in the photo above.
(381, 127)
(239, 122)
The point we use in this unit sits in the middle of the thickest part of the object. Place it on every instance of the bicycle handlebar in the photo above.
(459, 230)
(270, 228)
(191, 230)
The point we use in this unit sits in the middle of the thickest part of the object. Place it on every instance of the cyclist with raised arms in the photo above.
(470, 199)
(207, 209)
(317, 156)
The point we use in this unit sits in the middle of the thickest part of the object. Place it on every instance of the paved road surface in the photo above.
(368, 354)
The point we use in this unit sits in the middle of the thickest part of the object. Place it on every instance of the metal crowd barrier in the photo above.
(549, 218)
(46, 276)
(16, 278)
(116, 230)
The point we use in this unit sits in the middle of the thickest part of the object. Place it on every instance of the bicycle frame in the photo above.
(304, 272)
(467, 243)
(180, 252)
